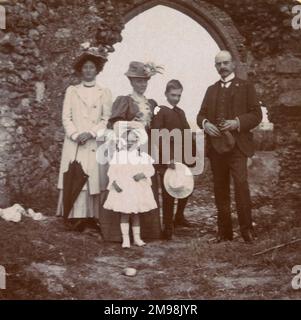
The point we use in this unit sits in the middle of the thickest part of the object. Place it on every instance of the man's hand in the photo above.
(84, 137)
(139, 176)
(211, 129)
(229, 125)
(116, 187)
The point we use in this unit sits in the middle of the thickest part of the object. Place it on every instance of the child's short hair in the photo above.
(173, 84)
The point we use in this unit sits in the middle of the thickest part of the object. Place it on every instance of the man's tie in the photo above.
(226, 84)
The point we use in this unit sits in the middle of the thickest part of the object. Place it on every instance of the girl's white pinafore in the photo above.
(136, 197)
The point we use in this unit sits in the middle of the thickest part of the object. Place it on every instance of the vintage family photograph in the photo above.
(150, 150)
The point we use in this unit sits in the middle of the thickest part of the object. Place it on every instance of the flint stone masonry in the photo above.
(289, 65)
(290, 84)
(291, 98)
(40, 91)
(42, 38)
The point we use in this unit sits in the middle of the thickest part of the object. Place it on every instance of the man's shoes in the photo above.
(247, 236)
(167, 234)
(182, 223)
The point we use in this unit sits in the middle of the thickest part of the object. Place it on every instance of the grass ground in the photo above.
(45, 262)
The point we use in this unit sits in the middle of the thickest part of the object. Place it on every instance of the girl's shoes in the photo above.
(126, 244)
(139, 243)
(137, 238)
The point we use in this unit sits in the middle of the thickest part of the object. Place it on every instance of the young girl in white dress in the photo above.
(130, 191)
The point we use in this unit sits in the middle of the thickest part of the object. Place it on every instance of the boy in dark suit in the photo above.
(230, 106)
(169, 117)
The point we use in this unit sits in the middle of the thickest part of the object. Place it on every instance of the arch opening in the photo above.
(198, 17)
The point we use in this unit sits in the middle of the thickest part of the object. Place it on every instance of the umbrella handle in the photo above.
(76, 151)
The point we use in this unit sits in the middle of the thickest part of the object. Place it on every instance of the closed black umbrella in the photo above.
(74, 180)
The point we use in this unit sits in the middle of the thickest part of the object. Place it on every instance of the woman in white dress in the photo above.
(86, 110)
(130, 186)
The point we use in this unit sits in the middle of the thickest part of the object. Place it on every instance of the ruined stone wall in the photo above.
(36, 53)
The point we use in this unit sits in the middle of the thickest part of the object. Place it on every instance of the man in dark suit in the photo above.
(229, 111)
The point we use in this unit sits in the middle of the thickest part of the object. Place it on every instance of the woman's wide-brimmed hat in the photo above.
(179, 182)
(142, 70)
(90, 54)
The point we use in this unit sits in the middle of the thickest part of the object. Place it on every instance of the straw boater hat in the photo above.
(179, 182)
(90, 54)
(143, 70)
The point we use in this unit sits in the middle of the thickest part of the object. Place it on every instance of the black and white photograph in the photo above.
(150, 151)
